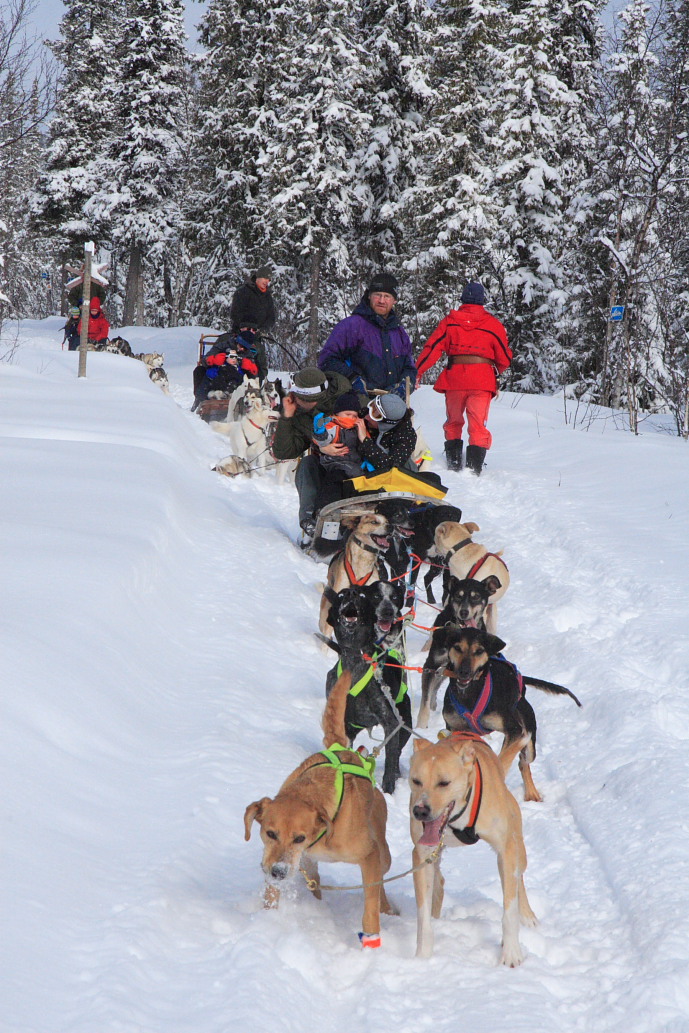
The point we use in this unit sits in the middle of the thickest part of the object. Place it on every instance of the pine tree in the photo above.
(308, 187)
(235, 126)
(541, 129)
(449, 209)
(396, 40)
(81, 125)
(138, 204)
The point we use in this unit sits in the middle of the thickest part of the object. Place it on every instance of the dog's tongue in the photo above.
(385, 626)
(432, 831)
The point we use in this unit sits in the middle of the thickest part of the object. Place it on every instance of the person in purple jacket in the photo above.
(371, 347)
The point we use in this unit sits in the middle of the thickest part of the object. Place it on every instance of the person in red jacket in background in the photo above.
(99, 328)
(477, 350)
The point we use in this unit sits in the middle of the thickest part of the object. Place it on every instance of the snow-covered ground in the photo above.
(160, 672)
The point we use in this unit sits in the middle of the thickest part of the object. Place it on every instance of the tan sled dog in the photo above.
(327, 811)
(458, 795)
(360, 561)
(467, 559)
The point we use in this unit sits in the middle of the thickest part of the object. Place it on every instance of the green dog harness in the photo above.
(361, 684)
(364, 769)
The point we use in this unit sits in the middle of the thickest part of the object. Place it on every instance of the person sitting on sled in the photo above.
(386, 434)
(224, 368)
(223, 372)
(99, 328)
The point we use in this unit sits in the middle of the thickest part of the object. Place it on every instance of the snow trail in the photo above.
(166, 674)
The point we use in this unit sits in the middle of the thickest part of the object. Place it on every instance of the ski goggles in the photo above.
(375, 411)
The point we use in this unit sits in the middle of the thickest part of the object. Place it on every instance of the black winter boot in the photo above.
(475, 457)
(453, 453)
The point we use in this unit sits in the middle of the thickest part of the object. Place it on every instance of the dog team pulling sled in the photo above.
(392, 530)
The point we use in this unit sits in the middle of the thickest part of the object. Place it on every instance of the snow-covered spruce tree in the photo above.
(137, 201)
(671, 292)
(29, 277)
(579, 40)
(26, 90)
(396, 37)
(309, 193)
(541, 128)
(244, 43)
(449, 212)
(80, 129)
(642, 147)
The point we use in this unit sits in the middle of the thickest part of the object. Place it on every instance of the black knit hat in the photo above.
(347, 403)
(473, 294)
(384, 282)
(264, 272)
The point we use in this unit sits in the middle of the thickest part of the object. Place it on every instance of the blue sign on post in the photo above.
(616, 313)
(45, 276)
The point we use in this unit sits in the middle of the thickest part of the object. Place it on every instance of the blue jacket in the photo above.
(370, 351)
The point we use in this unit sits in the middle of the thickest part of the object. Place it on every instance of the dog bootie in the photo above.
(475, 458)
(453, 453)
(370, 939)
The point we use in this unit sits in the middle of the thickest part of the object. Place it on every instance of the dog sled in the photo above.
(399, 491)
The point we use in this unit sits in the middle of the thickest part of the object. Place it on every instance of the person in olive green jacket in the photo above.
(311, 392)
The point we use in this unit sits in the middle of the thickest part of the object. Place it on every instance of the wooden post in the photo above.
(85, 306)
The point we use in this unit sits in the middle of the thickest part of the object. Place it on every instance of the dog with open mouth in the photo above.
(366, 625)
(486, 693)
(328, 809)
(458, 796)
(361, 560)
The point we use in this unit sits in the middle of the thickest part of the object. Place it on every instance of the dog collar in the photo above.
(456, 548)
(468, 834)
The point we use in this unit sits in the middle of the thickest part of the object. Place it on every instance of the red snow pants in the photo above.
(474, 405)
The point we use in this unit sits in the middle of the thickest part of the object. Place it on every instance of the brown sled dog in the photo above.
(310, 820)
(458, 795)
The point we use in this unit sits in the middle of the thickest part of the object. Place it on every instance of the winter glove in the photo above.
(212, 372)
(250, 367)
(359, 385)
(216, 360)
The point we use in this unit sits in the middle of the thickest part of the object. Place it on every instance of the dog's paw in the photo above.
(370, 939)
(511, 956)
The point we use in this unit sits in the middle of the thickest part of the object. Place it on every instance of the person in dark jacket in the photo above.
(252, 305)
(311, 392)
(477, 351)
(371, 347)
(386, 434)
(70, 328)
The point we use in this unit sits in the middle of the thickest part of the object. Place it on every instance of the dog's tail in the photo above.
(551, 687)
(333, 723)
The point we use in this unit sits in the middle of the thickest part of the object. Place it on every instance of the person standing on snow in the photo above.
(371, 347)
(477, 350)
(252, 313)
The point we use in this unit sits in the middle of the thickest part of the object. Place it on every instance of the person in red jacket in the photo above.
(477, 350)
(99, 328)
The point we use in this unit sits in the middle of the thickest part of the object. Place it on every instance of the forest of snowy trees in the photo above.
(518, 142)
